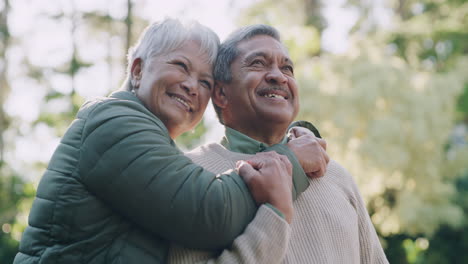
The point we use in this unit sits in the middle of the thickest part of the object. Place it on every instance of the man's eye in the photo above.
(257, 62)
(288, 69)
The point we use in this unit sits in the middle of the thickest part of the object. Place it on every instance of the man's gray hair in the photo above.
(228, 52)
(168, 35)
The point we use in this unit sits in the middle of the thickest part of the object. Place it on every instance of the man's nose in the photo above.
(275, 75)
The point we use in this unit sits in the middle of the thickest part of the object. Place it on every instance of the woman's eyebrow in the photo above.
(188, 61)
(207, 75)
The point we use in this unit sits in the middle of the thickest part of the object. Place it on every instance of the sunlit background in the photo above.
(385, 81)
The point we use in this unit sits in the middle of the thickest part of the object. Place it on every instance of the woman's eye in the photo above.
(181, 64)
(206, 84)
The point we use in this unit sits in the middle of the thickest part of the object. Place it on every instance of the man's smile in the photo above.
(274, 92)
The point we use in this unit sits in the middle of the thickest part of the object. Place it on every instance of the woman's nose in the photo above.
(191, 86)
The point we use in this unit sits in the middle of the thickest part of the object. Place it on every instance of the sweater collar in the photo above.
(235, 141)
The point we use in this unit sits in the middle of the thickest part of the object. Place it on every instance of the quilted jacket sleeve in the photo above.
(300, 179)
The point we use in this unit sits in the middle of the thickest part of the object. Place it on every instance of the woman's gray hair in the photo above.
(168, 35)
(228, 51)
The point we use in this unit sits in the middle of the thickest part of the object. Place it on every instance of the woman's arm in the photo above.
(265, 240)
(129, 161)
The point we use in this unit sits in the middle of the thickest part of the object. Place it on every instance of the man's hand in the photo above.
(269, 178)
(309, 150)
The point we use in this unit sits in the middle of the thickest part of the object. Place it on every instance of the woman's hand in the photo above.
(269, 178)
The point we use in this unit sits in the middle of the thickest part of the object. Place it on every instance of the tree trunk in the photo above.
(314, 15)
(402, 9)
(4, 87)
(128, 24)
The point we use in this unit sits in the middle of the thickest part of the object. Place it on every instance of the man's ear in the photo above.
(135, 72)
(218, 95)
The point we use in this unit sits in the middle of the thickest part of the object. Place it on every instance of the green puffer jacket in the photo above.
(117, 189)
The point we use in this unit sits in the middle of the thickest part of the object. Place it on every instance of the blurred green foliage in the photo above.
(388, 107)
(16, 197)
(58, 104)
(192, 138)
(449, 245)
(462, 105)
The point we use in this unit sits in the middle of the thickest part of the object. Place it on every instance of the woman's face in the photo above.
(175, 86)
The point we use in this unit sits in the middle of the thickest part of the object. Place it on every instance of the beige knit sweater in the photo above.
(330, 223)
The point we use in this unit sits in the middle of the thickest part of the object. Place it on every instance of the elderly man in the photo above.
(256, 98)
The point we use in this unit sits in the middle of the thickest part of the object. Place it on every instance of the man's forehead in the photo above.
(261, 44)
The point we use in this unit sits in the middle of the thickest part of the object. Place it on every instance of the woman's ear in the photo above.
(136, 72)
(218, 95)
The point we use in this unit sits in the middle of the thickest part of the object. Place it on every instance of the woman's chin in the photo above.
(179, 120)
(177, 128)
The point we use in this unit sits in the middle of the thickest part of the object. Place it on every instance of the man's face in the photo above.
(263, 88)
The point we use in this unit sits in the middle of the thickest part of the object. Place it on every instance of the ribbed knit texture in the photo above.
(330, 223)
(265, 240)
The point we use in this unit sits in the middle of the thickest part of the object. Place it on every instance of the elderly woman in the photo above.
(117, 188)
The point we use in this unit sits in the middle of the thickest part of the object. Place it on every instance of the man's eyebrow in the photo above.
(289, 61)
(265, 55)
(254, 55)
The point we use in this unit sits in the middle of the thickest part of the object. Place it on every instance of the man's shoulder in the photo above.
(336, 168)
(212, 156)
(210, 152)
(216, 149)
(208, 148)
(339, 176)
(336, 171)
(215, 157)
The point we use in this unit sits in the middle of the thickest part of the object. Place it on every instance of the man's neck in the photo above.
(269, 135)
